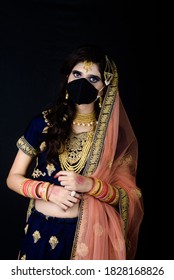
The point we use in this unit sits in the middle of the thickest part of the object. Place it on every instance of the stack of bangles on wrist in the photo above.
(35, 189)
(104, 192)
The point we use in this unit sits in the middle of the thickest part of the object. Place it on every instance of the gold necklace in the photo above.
(85, 119)
(77, 148)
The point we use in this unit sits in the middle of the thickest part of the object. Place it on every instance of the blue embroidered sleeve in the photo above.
(33, 136)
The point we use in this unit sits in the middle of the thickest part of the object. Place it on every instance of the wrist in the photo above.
(51, 187)
(90, 184)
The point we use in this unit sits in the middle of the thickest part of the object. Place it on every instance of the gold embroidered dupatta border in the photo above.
(95, 154)
(100, 132)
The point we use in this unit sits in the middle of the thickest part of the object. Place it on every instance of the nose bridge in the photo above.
(86, 75)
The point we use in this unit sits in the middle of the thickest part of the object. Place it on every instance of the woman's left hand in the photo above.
(74, 182)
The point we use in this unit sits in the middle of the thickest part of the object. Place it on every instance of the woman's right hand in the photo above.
(62, 197)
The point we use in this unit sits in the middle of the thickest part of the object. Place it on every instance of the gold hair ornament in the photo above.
(108, 72)
(87, 65)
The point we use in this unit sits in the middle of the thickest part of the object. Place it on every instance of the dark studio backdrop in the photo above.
(34, 40)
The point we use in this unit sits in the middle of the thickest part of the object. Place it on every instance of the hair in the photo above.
(62, 113)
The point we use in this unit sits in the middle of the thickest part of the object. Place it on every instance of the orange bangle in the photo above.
(21, 186)
(109, 194)
(28, 188)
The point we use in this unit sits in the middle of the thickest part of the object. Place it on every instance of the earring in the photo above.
(66, 96)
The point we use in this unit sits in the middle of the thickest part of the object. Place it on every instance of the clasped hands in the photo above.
(73, 186)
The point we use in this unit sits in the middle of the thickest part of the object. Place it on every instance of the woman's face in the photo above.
(89, 71)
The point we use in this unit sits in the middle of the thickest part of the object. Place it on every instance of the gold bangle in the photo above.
(95, 186)
(100, 188)
(45, 191)
(116, 199)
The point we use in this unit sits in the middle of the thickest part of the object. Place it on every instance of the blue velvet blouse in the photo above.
(32, 143)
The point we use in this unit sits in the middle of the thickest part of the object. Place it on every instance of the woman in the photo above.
(84, 202)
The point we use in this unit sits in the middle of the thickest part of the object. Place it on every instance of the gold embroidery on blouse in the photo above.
(23, 257)
(30, 208)
(53, 242)
(26, 229)
(37, 173)
(50, 168)
(42, 146)
(36, 236)
(26, 147)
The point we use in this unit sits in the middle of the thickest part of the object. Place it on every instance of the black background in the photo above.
(34, 40)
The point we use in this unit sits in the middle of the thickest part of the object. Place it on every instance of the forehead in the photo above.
(87, 68)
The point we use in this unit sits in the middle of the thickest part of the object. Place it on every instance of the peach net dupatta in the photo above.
(104, 232)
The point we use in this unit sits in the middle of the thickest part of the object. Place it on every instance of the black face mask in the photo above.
(81, 91)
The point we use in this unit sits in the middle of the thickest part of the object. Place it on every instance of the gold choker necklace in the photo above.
(85, 119)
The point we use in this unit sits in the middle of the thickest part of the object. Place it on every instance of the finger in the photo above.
(67, 187)
(56, 175)
(62, 183)
(61, 173)
(74, 200)
(78, 196)
(63, 206)
(74, 194)
(69, 203)
(64, 180)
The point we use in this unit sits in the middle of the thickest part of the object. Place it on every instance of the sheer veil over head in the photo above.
(105, 232)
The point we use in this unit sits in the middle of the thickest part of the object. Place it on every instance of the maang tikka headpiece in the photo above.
(108, 72)
(87, 65)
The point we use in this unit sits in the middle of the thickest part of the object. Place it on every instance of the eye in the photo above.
(93, 79)
(76, 74)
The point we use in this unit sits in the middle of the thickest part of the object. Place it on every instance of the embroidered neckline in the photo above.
(77, 147)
